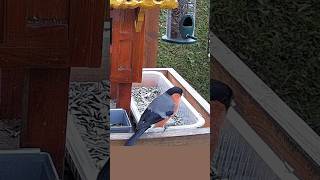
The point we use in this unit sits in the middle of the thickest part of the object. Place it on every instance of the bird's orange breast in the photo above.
(176, 98)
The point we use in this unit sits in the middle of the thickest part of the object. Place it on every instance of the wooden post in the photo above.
(124, 98)
(127, 55)
(151, 37)
(45, 109)
(11, 92)
(217, 118)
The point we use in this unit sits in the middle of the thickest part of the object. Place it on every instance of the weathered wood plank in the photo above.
(151, 38)
(2, 21)
(41, 57)
(11, 92)
(96, 74)
(278, 166)
(45, 112)
(124, 96)
(217, 118)
(86, 32)
(282, 129)
(168, 138)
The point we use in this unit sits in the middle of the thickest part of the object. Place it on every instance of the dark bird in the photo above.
(220, 92)
(220, 99)
(158, 112)
(104, 174)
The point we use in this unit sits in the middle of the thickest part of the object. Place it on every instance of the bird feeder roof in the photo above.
(129, 4)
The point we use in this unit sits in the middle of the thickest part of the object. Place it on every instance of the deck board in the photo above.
(282, 129)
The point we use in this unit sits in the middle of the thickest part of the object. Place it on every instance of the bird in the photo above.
(221, 93)
(221, 96)
(158, 112)
(104, 174)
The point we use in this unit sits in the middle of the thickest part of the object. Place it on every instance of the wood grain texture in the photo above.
(239, 127)
(2, 21)
(15, 23)
(55, 33)
(96, 74)
(127, 55)
(45, 112)
(41, 57)
(114, 90)
(286, 133)
(169, 138)
(138, 54)
(218, 114)
(124, 97)
(121, 93)
(11, 93)
(127, 49)
(151, 37)
(47, 23)
(122, 45)
(48, 9)
(86, 32)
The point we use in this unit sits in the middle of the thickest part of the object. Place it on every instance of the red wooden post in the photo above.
(11, 92)
(45, 112)
(124, 98)
(151, 39)
(127, 55)
(218, 112)
(49, 37)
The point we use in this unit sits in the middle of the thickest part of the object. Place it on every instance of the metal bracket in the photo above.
(140, 19)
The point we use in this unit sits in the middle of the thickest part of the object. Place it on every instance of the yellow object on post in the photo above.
(129, 4)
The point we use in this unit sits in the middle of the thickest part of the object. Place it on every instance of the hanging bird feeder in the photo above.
(181, 23)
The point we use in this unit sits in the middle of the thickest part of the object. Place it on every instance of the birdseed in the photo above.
(10, 133)
(88, 103)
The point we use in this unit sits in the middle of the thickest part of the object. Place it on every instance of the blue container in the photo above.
(26, 165)
(119, 121)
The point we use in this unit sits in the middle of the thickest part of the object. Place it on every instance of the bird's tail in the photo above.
(105, 172)
(133, 139)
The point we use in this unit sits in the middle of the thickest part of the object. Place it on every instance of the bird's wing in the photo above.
(148, 118)
(162, 105)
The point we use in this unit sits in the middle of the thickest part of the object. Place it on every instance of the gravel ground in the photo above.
(88, 102)
(9, 133)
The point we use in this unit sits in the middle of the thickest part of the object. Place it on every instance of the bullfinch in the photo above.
(220, 98)
(158, 112)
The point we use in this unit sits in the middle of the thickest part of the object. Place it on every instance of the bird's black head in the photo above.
(174, 90)
(220, 92)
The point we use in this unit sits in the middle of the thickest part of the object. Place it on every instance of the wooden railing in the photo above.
(275, 123)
